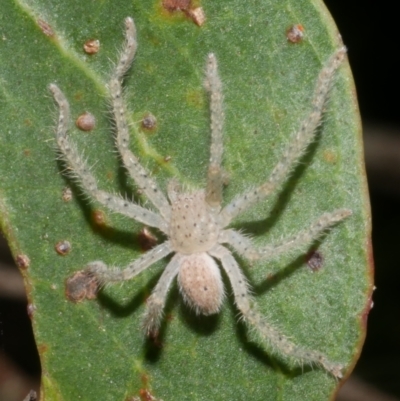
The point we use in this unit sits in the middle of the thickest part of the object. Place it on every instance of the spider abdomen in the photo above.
(193, 227)
(201, 284)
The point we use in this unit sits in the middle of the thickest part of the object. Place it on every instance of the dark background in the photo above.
(370, 29)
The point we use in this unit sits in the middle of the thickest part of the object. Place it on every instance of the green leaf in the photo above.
(95, 349)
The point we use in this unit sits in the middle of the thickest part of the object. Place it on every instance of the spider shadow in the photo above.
(243, 332)
(119, 310)
(260, 227)
(123, 238)
(260, 354)
(152, 344)
(280, 275)
(200, 324)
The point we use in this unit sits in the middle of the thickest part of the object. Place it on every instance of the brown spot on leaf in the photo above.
(145, 395)
(295, 33)
(91, 46)
(330, 156)
(80, 286)
(99, 218)
(86, 121)
(22, 261)
(42, 348)
(192, 11)
(67, 194)
(149, 122)
(315, 260)
(176, 5)
(63, 247)
(45, 27)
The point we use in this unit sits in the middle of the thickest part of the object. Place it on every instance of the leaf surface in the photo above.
(96, 350)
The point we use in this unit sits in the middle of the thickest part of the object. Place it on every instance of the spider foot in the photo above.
(153, 316)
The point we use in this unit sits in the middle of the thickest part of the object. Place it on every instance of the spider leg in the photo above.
(106, 275)
(276, 342)
(298, 143)
(156, 301)
(140, 175)
(86, 179)
(214, 175)
(244, 246)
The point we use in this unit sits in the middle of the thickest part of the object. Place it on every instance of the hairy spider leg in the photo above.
(214, 175)
(106, 275)
(139, 174)
(156, 301)
(297, 146)
(276, 342)
(80, 170)
(245, 247)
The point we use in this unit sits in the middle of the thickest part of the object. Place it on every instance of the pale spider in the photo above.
(195, 222)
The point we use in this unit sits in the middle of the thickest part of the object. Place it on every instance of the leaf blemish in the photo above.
(149, 122)
(194, 12)
(63, 247)
(176, 5)
(81, 286)
(91, 46)
(99, 218)
(330, 156)
(295, 33)
(86, 121)
(67, 194)
(22, 261)
(45, 27)
(315, 260)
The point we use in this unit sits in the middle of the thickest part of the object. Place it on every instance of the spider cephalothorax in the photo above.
(196, 222)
